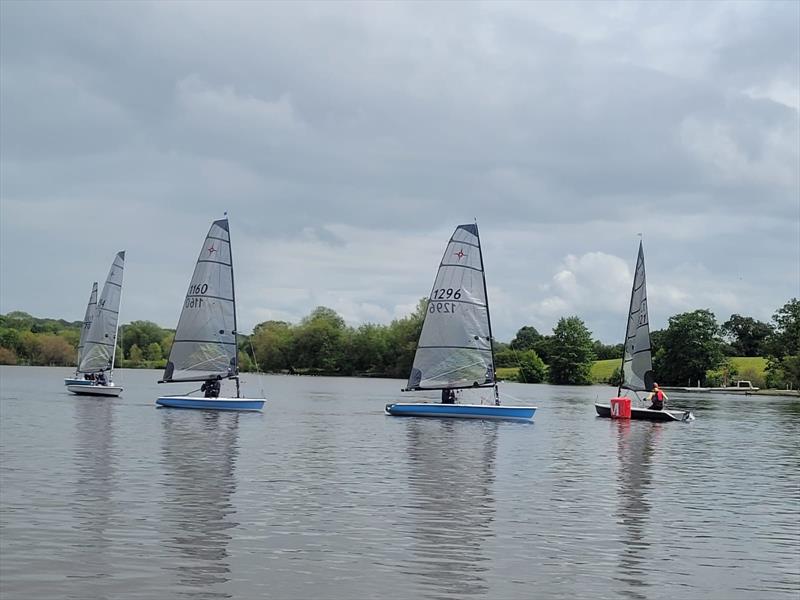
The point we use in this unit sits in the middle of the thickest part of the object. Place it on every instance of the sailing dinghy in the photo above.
(79, 378)
(205, 345)
(99, 346)
(637, 360)
(455, 351)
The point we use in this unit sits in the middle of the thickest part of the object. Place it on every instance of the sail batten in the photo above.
(637, 362)
(455, 347)
(102, 332)
(205, 339)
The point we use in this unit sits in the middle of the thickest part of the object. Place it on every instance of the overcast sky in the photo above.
(347, 140)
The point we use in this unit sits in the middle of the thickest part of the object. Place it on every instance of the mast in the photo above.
(235, 323)
(628, 320)
(488, 315)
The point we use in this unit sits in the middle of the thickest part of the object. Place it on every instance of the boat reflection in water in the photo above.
(199, 452)
(636, 446)
(451, 468)
(93, 503)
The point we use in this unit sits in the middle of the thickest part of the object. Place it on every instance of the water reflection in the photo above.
(199, 452)
(451, 475)
(636, 444)
(92, 504)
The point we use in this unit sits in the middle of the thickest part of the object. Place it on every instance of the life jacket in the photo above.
(659, 395)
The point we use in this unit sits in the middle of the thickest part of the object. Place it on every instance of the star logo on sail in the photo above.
(460, 254)
(211, 250)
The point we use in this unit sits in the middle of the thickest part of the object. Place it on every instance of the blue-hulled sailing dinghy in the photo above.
(455, 349)
(205, 345)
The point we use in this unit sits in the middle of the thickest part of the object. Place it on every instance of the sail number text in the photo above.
(193, 302)
(442, 307)
(198, 288)
(446, 294)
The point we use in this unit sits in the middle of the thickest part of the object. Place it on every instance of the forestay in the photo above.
(87, 320)
(455, 346)
(637, 365)
(101, 338)
(205, 340)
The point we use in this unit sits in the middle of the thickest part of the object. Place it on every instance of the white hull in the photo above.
(95, 390)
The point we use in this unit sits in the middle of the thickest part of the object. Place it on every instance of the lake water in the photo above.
(323, 496)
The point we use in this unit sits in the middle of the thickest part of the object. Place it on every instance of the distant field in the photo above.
(602, 369)
(749, 367)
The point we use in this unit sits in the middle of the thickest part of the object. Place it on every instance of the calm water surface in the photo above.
(322, 496)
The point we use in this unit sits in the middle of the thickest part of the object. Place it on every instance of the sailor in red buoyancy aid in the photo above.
(657, 397)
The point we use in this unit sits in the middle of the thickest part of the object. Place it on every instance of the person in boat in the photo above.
(658, 398)
(448, 397)
(100, 379)
(210, 388)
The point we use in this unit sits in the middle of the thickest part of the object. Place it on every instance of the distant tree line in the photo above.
(693, 348)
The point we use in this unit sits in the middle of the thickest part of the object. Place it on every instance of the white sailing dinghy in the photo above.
(455, 349)
(79, 378)
(100, 344)
(637, 361)
(205, 345)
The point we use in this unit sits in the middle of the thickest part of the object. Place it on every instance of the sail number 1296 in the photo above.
(446, 294)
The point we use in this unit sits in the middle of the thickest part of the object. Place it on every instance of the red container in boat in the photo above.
(621, 408)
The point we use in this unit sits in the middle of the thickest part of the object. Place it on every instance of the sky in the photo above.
(347, 140)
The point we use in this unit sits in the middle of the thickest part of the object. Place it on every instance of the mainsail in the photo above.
(205, 341)
(87, 320)
(101, 338)
(637, 364)
(455, 346)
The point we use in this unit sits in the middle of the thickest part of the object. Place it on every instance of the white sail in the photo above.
(637, 364)
(101, 338)
(455, 346)
(205, 340)
(87, 320)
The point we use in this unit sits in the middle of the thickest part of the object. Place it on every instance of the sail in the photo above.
(101, 338)
(205, 341)
(87, 319)
(637, 364)
(455, 346)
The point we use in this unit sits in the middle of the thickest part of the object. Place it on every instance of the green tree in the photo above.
(571, 353)
(9, 338)
(783, 347)
(142, 334)
(615, 378)
(526, 338)
(318, 341)
(272, 343)
(746, 335)
(403, 336)
(135, 354)
(531, 368)
(689, 347)
(604, 352)
(153, 351)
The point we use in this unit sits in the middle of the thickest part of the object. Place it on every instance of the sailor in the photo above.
(657, 397)
(211, 388)
(101, 378)
(448, 397)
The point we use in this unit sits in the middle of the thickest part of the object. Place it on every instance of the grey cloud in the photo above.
(565, 129)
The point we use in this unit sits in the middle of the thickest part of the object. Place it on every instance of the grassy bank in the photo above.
(748, 367)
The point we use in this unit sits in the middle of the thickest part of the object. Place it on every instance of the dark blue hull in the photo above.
(461, 411)
(211, 403)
